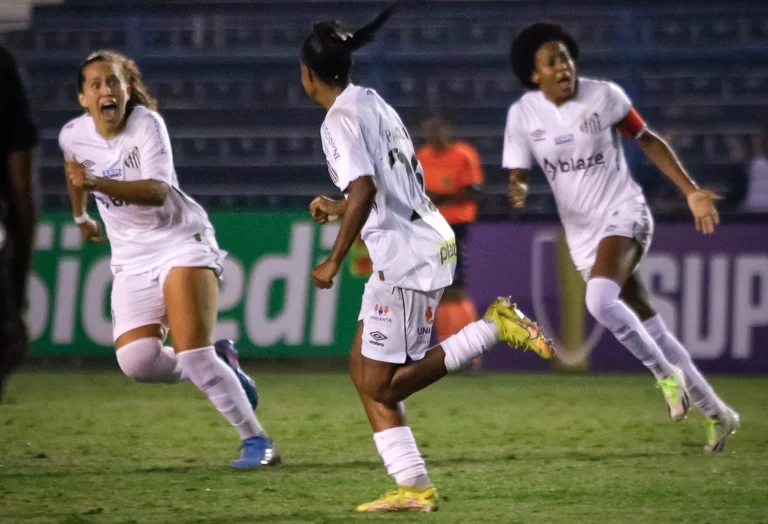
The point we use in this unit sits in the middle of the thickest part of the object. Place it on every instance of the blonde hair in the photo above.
(130, 72)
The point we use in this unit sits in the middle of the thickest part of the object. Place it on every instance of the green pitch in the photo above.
(94, 447)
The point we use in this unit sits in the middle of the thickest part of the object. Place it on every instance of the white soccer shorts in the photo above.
(137, 299)
(632, 219)
(397, 323)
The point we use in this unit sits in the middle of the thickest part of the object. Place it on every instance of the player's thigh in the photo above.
(191, 297)
(356, 356)
(617, 257)
(624, 239)
(148, 331)
(634, 295)
(138, 309)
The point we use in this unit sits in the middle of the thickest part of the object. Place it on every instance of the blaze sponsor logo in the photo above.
(573, 165)
(448, 251)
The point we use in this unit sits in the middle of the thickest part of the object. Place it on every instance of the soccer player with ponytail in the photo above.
(371, 159)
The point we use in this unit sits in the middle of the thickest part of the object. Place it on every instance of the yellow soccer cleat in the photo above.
(517, 330)
(403, 499)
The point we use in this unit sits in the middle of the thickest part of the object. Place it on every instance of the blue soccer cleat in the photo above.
(227, 352)
(257, 452)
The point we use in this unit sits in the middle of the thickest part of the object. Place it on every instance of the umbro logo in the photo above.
(88, 163)
(378, 336)
(538, 135)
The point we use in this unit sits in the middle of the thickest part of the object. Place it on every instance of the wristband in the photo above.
(82, 219)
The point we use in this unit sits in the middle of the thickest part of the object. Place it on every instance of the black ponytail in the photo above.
(327, 52)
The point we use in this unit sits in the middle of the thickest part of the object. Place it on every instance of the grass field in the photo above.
(94, 447)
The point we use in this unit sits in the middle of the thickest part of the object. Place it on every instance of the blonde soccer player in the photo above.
(165, 258)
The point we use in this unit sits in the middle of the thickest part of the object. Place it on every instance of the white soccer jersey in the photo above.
(580, 151)
(140, 237)
(410, 243)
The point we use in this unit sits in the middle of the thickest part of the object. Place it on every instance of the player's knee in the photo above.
(384, 395)
(136, 359)
(378, 391)
(602, 295)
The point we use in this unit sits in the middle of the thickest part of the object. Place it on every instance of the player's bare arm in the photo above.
(518, 187)
(700, 201)
(361, 194)
(90, 229)
(139, 192)
(324, 209)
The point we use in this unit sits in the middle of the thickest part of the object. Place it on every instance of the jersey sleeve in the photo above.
(617, 103)
(22, 134)
(154, 146)
(64, 135)
(345, 151)
(517, 154)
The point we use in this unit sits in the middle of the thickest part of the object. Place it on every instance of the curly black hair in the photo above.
(522, 55)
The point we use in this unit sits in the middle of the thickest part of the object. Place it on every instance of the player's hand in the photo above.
(702, 204)
(323, 274)
(79, 175)
(517, 192)
(324, 209)
(91, 231)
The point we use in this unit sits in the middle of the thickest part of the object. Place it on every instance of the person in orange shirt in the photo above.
(452, 178)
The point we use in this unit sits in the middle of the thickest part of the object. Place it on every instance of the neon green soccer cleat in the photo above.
(403, 499)
(517, 330)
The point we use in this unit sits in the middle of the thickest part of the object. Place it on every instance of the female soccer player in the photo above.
(572, 126)
(165, 259)
(372, 161)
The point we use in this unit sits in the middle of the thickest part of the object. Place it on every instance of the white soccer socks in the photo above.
(603, 303)
(401, 457)
(472, 341)
(217, 380)
(701, 393)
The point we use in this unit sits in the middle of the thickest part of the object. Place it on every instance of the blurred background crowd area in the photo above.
(244, 134)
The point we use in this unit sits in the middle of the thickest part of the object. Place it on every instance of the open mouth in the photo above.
(109, 111)
(565, 80)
